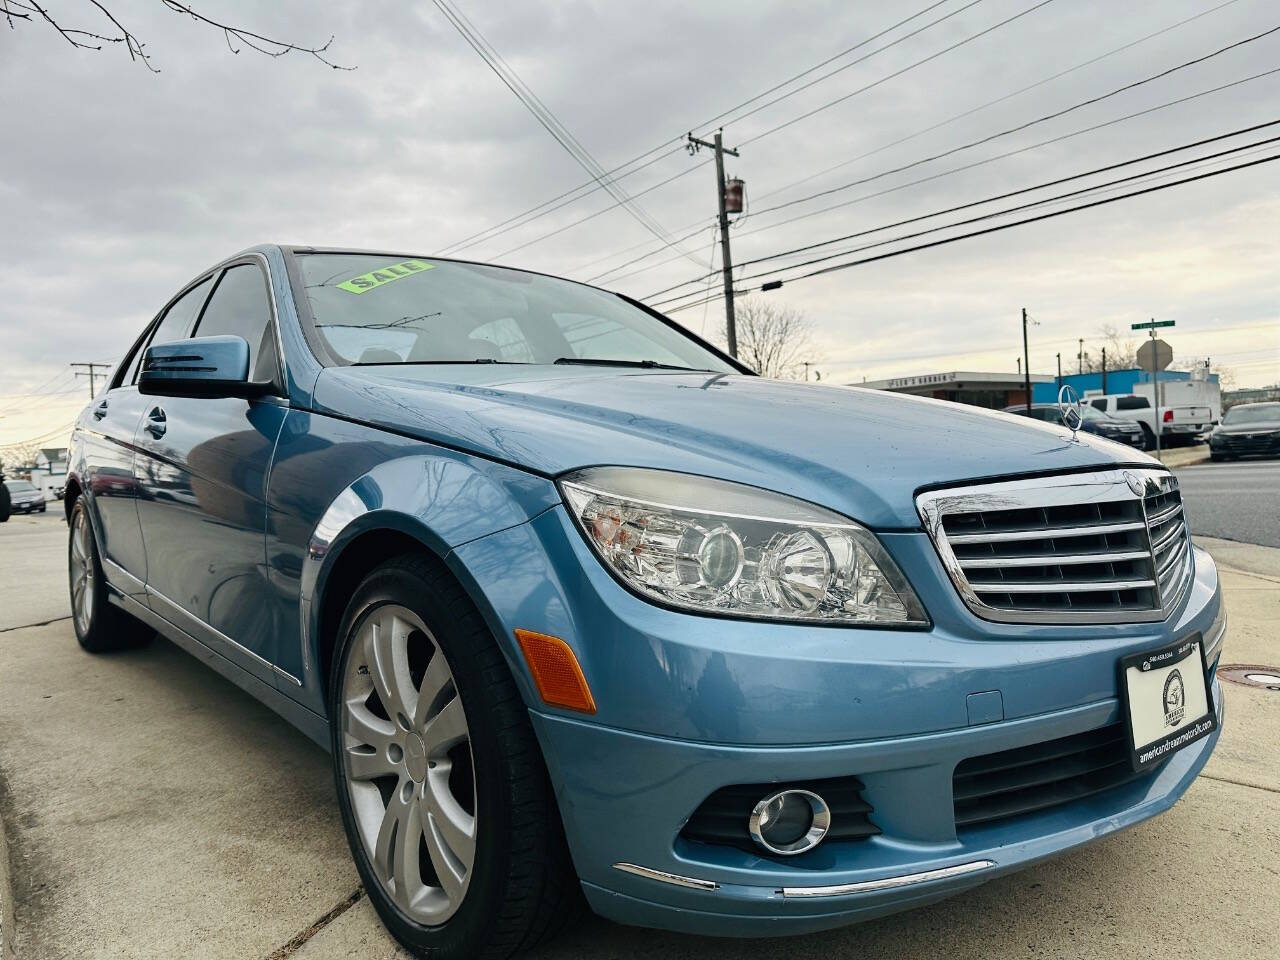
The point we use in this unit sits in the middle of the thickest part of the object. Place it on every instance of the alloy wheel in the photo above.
(82, 580)
(407, 756)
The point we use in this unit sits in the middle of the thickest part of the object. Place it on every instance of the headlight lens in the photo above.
(726, 548)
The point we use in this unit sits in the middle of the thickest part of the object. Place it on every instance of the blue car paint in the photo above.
(463, 459)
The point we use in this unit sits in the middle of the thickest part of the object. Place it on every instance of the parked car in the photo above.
(1247, 429)
(1178, 424)
(24, 497)
(1092, 421)
(581, 606)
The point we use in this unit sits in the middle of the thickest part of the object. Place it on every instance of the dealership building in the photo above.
(1000, 390)
(993, 390)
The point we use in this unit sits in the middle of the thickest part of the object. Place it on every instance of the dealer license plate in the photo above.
(1168, 700)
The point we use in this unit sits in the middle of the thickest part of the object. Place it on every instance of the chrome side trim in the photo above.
(120, 578)
(664, 877)
(889, 883)
(219, 635)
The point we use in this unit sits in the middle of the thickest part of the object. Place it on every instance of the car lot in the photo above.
(151, 809)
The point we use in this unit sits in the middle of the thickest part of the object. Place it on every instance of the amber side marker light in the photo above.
(556, 672)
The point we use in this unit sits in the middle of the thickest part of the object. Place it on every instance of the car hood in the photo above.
(1262, 426)
(862, 452)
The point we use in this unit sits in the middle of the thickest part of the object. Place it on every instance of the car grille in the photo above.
(1245, 443)
(1026, 779)
(722, 817)
(1100, 547)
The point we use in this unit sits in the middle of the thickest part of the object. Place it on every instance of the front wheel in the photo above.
(444, 795)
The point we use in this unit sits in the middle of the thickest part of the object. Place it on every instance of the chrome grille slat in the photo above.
(1062, 586)
(1109, 546)
(1053, 559)
(1086, 531)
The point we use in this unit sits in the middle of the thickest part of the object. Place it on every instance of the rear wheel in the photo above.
(442, 788)
(100, 626)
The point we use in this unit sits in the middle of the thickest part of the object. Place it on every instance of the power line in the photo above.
(991, 103)
(591, 186)
(549, 121)
(1028, 124)
(1000, 156)
(1014, 193)
(1008, 226)
(918, 133)
(897, 73)
(876, 83)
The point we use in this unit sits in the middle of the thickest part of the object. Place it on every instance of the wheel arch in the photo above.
(70, 495)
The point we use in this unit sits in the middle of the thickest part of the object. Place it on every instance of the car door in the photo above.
(202, 470)
(108, 438)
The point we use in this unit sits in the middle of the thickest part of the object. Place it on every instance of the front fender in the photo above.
(441, 498)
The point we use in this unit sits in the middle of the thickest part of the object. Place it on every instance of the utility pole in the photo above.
(1026, 361)
(807, 364)
(1155, 387)
(1059, 370)
(92, 374)
(1104, 369)
(1080, 357)
(726, 259)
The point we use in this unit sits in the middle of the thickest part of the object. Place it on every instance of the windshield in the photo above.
(373, 309)
(1090, 413)
(1253, 413)
(19, 486)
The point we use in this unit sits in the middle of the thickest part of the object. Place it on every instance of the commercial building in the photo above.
(993, 390)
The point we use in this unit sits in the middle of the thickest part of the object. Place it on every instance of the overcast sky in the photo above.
(118, 185)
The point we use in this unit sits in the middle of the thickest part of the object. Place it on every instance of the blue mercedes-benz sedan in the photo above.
(581, 606)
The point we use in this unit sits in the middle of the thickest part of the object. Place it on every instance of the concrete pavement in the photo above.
(154, 810)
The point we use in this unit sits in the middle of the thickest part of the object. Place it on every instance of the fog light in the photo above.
(789, 822)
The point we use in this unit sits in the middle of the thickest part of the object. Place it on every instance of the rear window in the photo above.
(1133, 403)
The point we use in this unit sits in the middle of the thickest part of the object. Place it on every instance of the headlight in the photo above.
(726, 548)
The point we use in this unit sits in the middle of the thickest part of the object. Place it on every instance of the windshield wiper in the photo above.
(418, 363)
(640, 364)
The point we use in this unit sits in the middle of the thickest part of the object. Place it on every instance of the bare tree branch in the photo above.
(771, 337)
(89, 40)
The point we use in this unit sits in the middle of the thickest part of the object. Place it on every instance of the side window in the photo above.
(241, 306)
(1100, 404)
(176, 322)
(1132, 403)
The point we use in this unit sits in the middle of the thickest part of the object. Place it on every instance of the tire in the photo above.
(1149, 435)
(498, 879)
(42, 509)
(101, 627)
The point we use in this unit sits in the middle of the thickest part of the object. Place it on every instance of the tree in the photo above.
(108, 29)
(771, 337)
(1121, 354)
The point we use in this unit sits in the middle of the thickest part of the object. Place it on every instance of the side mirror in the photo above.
(200, 367)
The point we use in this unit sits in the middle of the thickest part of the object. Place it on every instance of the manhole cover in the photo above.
(1251, 675)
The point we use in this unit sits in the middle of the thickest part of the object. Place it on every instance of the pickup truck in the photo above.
(1176, 422)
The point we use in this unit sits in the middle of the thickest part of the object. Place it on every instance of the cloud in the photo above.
(119, 185)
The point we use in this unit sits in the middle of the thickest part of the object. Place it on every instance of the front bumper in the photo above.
(623, 797)
(690, 704)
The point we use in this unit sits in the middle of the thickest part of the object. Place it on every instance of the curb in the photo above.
(1185, 457)
(8, 930)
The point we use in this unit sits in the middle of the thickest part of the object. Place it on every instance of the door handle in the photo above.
(157, 423)
(100, 410)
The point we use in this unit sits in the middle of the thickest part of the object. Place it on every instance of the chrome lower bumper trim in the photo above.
(889, 883)
(1213, 639)
(664, 877)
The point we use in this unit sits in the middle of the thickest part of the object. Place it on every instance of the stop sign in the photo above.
(1161, 351)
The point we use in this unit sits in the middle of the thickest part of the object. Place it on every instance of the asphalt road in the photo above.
(153, 810)
(1239, 500)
